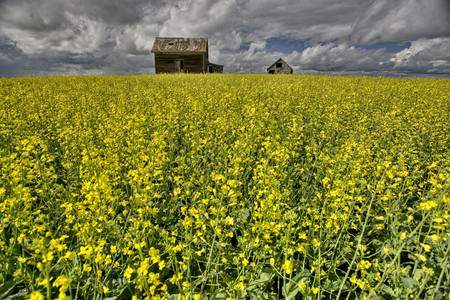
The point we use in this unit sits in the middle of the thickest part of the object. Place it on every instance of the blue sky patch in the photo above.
(285, 46)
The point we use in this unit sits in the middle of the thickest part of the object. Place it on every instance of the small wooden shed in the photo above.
(214, 68)
(280, 67)
(190, 55)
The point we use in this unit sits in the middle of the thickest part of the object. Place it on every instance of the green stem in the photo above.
(49, 286)
(208, 264)
(444, 268)
(357, 246)
(397, 256)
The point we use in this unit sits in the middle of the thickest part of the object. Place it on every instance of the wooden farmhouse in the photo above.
(280, 67)
(189, 55)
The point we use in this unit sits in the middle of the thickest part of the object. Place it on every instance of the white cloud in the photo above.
(80, 35)
(387, 20)
(198, 18)
(429, 55)
(229, 40)
(254, 47)
(136, 39)
(341, 57)
(319, 19)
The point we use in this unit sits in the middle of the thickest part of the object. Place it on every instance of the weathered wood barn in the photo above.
(189, 55)
(280, 67)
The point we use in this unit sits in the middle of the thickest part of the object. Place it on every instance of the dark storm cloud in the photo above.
(112, 11)
(111, 36)
(48, 15)
(261, 19)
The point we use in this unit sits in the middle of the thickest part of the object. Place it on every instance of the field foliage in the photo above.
(224, 187)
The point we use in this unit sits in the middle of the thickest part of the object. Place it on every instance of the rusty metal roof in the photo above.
(176, 45)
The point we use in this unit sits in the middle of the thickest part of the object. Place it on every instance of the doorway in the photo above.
(179, 65)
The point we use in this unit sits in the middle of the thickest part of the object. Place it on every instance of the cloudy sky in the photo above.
(350, 37)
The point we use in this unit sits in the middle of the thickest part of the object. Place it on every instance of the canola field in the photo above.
(224, 186)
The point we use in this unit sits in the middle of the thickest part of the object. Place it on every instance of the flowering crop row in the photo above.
(224, 187)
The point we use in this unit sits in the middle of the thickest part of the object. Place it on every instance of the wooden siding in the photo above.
(192, 63)
(214, 68)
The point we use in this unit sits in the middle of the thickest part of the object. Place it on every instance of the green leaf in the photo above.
(19, 295)
(245, 213)
(388, 290)
(220, 294)
(6, 288)
(410, 283)
(418, 274)
(260, 295)
(302, 275)
(290, 290)
(226, 278)
(263, 279)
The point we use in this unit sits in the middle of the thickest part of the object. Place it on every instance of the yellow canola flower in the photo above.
(63, 296)
(287, 267)
(316, 243)
(36, 295)
(62, 282)
(105, 289)
(365, 264)
(428, 205)
(302, 285)
(42, 282)
(128, 272)
(422, 257)
(40, 266)
(426, 247)
(186, 285)
(70, 255)
(245, 262)
(438, 220)
(229, 221)
(434, 237)
(87, 268)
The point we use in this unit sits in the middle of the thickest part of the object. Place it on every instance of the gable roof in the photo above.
(278, 61)
(180, 45)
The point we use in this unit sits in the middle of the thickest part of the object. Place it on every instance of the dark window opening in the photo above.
(170, 44)
(279, 65)
(179, 65)
(271, 71)
(210, 69)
